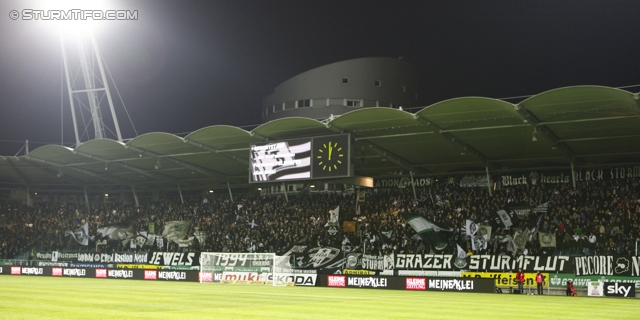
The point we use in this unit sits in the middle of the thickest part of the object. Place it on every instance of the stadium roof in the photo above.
(587, 125)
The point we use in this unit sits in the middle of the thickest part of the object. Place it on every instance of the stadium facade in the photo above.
(344, 86)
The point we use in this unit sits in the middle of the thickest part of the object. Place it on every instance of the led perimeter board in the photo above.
(300, 159)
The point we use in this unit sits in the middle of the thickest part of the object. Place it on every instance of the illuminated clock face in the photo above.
(330, 156)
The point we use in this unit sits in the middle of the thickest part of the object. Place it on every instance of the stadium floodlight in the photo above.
(75, 22)
(210, 191)
(76, 25)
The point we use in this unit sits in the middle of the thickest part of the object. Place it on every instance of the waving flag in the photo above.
(427, 230)
(81, 235)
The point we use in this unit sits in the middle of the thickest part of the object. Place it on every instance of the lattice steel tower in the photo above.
(89, 65)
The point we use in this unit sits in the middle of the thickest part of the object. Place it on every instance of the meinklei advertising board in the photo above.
(165, 275)
(372, 282)
(412, 283)
(68, 272)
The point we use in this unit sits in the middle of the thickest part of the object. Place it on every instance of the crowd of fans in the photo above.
(594, 218)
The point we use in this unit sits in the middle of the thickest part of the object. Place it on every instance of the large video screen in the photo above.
(299, 159)
(283, 160)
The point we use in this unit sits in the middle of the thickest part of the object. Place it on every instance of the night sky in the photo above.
(184, 65)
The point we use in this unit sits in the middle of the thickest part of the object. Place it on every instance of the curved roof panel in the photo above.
(291, 128)
(596, 125)
(221, 136)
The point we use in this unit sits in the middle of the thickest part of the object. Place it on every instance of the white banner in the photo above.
(505, 218)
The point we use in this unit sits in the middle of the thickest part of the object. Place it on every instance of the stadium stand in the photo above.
(595, 218)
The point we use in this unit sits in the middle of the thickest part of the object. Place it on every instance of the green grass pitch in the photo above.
(71, 298)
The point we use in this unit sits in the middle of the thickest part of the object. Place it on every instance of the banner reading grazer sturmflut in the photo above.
(591, 265)
(482, 262)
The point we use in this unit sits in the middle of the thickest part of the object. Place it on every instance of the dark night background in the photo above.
(184, 65)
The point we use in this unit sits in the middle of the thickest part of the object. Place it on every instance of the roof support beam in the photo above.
(71, 180)
(160, 177)
(467, 149)
(394, 136)
(384, 153)
(547, 133)
(600, 138)
(548, 123)
(217, 151)
(201, 170)
(106, 178)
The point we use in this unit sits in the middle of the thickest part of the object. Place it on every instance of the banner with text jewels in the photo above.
(152, 258)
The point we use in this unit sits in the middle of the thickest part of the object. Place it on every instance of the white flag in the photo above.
(471, 228)
(334, 217)
(81, 235)
(505, 218)
(151, 238)
(461, 253)
(160, 242)
(176, 230)
(201, 236)
(511, 246)
(478, 243)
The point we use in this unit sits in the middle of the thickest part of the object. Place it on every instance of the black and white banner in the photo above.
(483, 262)
(369, 262)
(174, 258)
(581, 266)
(116, 257)
(154, 258)
(607, 266)
(319, 258)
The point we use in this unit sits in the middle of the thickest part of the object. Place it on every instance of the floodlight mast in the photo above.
(89, 55)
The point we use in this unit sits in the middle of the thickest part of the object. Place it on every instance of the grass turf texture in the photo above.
(71, 298)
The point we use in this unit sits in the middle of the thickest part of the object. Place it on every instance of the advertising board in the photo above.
(618, 289)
